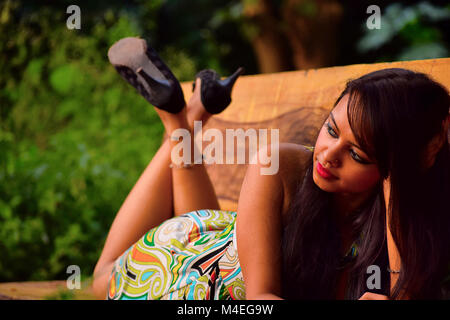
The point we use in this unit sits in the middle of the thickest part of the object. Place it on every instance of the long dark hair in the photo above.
(394, 114)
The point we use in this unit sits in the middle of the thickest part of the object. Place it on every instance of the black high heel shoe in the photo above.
(216, 93)
(140, 65)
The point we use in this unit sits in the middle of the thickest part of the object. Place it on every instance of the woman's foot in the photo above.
(195, 109)
(211, 95)
(216, 93)
(173, 121)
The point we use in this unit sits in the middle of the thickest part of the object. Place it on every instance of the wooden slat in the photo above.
(42, 290)
(262, 97)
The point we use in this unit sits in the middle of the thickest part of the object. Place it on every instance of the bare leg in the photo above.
(158, 194)
(192, 187)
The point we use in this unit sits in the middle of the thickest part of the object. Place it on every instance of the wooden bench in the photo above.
(296, 103)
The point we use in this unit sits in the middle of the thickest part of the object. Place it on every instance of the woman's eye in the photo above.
(331, 131)
(355, 156)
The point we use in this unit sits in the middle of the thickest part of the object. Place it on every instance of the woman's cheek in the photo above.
(320, 139)
(363, 180)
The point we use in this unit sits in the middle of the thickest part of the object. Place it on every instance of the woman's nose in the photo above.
(331, 157)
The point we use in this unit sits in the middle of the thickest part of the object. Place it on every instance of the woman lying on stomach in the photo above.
(362, 215)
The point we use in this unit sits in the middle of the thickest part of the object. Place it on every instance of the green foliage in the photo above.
(61, 295)
(307, 8)
(408, 33)
(74, 138)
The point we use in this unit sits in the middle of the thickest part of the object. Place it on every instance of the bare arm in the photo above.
(259, 232)
(394, 256)
(259, 224)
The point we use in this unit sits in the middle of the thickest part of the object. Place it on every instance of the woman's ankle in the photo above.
(203, 117)
(172, 122)
(170, 128)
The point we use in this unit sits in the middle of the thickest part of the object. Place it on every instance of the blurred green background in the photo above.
(74, 137)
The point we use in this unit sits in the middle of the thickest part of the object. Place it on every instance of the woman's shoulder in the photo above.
(292, 162)
(276, 189)
(294, 156)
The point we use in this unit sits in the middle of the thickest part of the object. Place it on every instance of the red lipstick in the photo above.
(324, 173)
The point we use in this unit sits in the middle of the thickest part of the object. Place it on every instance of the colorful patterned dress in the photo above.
(193, 256)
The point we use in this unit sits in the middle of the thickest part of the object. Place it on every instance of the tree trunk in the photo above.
(301, 34)
(312, 31)
(269, 43)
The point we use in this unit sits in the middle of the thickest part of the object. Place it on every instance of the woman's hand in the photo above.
(373, 296)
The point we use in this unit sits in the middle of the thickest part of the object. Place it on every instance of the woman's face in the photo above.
(340, 166)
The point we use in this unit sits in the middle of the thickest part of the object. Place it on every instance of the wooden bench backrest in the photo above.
(296, 103)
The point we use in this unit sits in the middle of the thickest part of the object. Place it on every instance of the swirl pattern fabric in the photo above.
(192, 256)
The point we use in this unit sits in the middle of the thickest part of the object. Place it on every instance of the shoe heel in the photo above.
(228, 83)
(151, 81)
(216, 93)
(140, 66)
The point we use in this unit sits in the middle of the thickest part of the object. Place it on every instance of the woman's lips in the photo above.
(324, 173)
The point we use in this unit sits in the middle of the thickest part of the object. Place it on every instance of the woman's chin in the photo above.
(324, 184)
